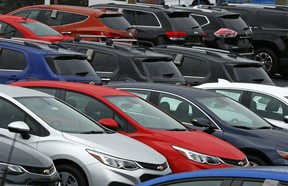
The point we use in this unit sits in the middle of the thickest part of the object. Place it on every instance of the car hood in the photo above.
(118, 145)
(200, 142)
(23, 154)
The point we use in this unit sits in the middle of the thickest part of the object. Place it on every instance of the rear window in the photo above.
(70, 66)
(40, 29)
(183, 21)
(234, 22)
(114, 21)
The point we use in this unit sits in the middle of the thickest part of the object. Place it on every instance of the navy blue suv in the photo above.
(22, 60)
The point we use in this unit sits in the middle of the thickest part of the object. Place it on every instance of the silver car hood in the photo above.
(118, 145)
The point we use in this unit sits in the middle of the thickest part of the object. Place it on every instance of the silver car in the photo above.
(83, 152)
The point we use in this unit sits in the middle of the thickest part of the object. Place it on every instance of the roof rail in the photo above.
(211, 49)
(20, 42)
(79, 37)
(31, 40)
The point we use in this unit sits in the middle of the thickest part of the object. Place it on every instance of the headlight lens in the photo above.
(114, 162)
(283, 154)
(11, 169)
(198, 157)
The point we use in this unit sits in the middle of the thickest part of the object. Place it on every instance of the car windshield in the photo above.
(70, 66)
(115, 21)
(156, 68)
(233, 113)
(40, 29)
(145, 114)
(59, 115)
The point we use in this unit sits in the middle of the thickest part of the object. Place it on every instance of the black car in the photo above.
(201, 65)
(224, 30)
(25, 165)
(159, 24)
(128, 63)
(270, 33)
(219, 116)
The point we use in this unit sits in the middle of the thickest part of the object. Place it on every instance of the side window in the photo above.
(141, 93)
(146, 19)
(33, 14)
(194, 67)
(104, 62)
(46, 90)
(7, 30)
(10, 113)
(12, 60)
(96, 109)
(233, 94)
(130, 16)
(268, 107)
(202, 20)
(267, 19)
(216, 182)
(179, 108)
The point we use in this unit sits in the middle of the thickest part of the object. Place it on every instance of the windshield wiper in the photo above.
(258, 80)
(92, 132)
(176, 129)
(265, 127)
(81, 73)
(241, 127)
(168, 74)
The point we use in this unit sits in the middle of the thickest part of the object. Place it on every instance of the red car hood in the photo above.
(200, 142)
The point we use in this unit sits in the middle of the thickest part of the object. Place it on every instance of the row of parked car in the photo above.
(83, 127)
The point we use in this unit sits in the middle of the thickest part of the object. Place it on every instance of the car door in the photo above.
(14, 65)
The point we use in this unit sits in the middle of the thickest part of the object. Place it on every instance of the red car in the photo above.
(185, 149)
(14, 26)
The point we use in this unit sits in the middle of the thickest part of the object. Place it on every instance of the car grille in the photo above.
(38, 183)
(241, 163)
(158, 167)
(37, 170)
(146, 177)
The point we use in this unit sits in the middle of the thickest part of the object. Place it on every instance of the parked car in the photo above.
(269, 102)
(78, 20)
(127, 63)
(224, 30)
(84, 152)
(201, 65)
(13, 26)
(257, 176)
(159, 24)
(130, 115)
(22, 60)
(220, 116)
(24, 164)
(269, 39)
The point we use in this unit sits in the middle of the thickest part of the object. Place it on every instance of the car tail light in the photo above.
(176, 35)
(111, 35)
(204, 34)
(225, 32)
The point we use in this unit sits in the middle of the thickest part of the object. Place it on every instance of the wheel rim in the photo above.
(68, 179)
(265, 59)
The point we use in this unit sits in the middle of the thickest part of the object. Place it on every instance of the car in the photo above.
(21, 164)
(159, 24)
(270, 102)
(224, 30)
(130, 115)
(219, 116)
(13, 26)
(201, 65)
(269, 37)
(122, 62)
(79, 20)
(258, 176)
(22, 60)
(84, 152)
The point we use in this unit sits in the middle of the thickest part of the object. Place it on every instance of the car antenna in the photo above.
(25, 18)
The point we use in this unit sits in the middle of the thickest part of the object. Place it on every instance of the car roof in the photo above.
(270, 89)
(255, 6)
(12, 91)
(207, 10)
(96, 90)
(184, 91)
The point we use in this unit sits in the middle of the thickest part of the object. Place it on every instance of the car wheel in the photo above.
(255, 161)
(70, 175)
(269, 60)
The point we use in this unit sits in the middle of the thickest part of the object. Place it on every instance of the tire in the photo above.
(255, 161)
(269, 60)
(71, 176)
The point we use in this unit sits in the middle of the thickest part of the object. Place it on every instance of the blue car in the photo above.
(22, 60)
(260, 176)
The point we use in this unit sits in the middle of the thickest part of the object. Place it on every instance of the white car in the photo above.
(84, 152)
(268, 101)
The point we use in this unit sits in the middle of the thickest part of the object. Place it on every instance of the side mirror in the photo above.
(285, 119)
(202, 122)
(20, 127)
(109, 123)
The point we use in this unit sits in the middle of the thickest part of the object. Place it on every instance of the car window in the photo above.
(182, 21)
(30, 13)
(7, 30)
(141, 93)
(146, 19)
(234, 94)
(187, 182)
(234, 22)
(104, 62)
(194, 67)
(115, 21)
(130, 16)
(40, 29)
(268, 107)
(96, 109)
(10, 113)
(267, 19)
(202, 20)
(159, 68)
(12, 60)
(50, 91)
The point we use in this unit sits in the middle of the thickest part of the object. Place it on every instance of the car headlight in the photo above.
(114, 162)
(11, 169)
(198, 157)
(282, 153)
